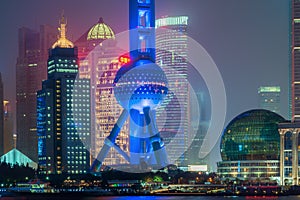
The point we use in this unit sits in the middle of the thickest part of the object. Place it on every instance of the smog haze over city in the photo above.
(247, 39)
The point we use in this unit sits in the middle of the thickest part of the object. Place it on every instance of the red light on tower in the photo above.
(124, 59)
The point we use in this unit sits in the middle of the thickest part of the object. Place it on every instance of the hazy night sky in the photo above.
(247, 39)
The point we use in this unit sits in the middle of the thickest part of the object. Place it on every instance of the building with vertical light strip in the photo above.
(171, 56)
(289, 131)
(1, 118)
(63, 113)
(269, 98)
(8, 127)
(99, 62)
(295, 61)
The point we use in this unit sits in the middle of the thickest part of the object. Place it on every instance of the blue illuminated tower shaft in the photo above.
(143, 129)
(139, 97)
(142, 29)
(145, 141)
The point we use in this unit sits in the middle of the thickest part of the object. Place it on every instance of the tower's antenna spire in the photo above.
(62, 21)
(62, 41)
(63, 24)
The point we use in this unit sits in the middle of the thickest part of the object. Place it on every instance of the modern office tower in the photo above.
(1, 118)
(289, 131)
(8, 127)
(31, 70)
(295, 60)
(99, 61)
(63, 113)
(250, 147)
(171, 56)
(269, 98)
(199, 121)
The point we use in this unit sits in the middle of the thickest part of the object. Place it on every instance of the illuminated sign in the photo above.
(32, 65)
(124, 59)
(168, 21)
(197, 168)
(269, 89)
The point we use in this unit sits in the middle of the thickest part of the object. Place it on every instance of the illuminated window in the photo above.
(143, 1)
(144, 18)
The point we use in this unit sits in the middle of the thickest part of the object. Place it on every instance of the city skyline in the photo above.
(248, 55)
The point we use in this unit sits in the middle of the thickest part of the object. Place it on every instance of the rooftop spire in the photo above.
(62, 41)
(100, 20)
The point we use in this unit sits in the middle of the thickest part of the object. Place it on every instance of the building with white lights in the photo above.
(173, 115)
(269, 98)
(99, 61)
(63, 113)
(289, 131)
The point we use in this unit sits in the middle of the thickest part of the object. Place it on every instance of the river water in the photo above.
(156, 198)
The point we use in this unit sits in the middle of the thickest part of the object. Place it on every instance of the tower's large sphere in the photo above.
(252, 135)
(140, 84)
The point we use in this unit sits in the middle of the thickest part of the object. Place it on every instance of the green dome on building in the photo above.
(100, 31)
(252, 135)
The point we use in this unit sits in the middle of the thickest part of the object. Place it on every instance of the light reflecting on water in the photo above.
(153, 198)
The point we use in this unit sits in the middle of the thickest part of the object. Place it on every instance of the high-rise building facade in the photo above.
(63, 113)
(289, 131)
(8, 127)
(171, 56)
(31, 70)
(269, 98)
(99, 62)
(295, 60)
(1, 118)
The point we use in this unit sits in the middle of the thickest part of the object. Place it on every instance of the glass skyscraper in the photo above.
(269, 98)
(31, 70)
(63, 113)
(289, 131)
(171, 56)
(295, 60)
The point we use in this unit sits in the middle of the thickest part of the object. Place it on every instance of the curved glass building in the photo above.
(250, 146)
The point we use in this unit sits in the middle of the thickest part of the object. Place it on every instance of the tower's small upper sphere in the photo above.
(252, 135)
(100, 31)
(140, 84)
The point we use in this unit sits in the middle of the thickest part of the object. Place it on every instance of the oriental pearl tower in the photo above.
(139, 87)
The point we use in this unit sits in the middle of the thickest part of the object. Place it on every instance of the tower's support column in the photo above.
(282, 134)
(295, 156)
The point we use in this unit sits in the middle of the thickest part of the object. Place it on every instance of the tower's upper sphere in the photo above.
(100, 31)
(140, 84)
(252, 135)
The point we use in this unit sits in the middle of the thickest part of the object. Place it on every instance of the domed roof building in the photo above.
(93, 37)
(250, 146)
(98, 55)
(100, 31)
